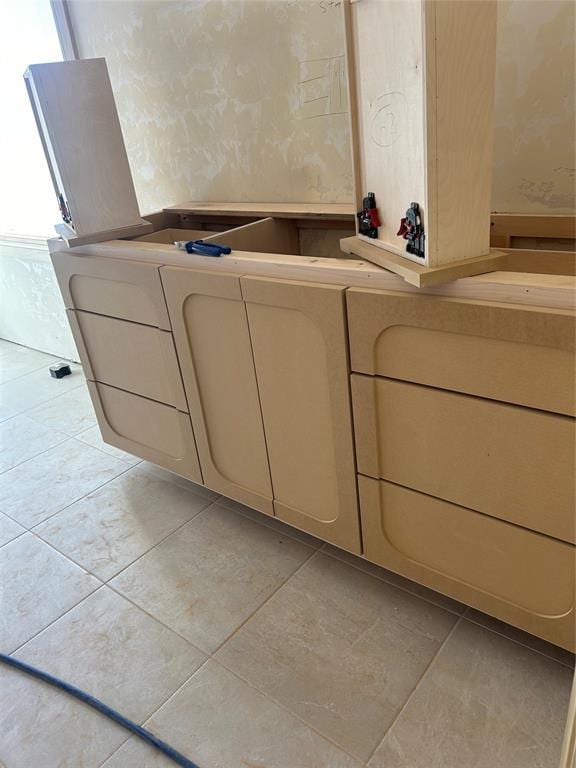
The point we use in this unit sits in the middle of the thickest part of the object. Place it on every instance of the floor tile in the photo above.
(536, 643)
(16, 361)
(71, 412)
(9, 529)
(485, 702)
(211, 575)
(93, 437)
(40, 487)
(277, 525)
(183, 481)
(113, 650)
(44, 727)
(340, 649)
(38, 585)
(25, 392)
(395, 579)
(220, 722)
(110, 528)
(21, 438)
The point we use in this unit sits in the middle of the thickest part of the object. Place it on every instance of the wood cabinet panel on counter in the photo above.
(299, 343)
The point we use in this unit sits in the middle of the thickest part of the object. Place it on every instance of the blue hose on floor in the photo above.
(101, 707)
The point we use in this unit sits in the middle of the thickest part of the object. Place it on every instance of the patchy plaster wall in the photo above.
(535, 131)
(226, 99)
(245, 99)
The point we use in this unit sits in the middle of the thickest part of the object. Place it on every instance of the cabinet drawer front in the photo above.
(130, 290)
(155, 432)
(299, 342)
(494, 352)
(517, 575)
(510, 462)
(137, 358)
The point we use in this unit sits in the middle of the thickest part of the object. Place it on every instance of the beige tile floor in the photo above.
(242, 642)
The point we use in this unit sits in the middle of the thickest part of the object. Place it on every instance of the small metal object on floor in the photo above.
(59, 370)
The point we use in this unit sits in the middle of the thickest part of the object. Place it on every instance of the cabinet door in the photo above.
(299, 342)
(213, 347)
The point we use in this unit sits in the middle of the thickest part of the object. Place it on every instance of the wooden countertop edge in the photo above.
(345, 211)
(529, 289)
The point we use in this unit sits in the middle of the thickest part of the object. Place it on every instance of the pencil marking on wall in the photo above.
(387, 118)
(322, 86)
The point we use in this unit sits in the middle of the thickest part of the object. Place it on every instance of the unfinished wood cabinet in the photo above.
(130, 356)
(498, 352)
(155, 432)
(129, 290)
(213, 345)
(515, 574)
(503, 460)
(421, 78)
(298, 335)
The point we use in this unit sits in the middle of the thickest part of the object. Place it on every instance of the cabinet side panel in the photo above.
(465, 61)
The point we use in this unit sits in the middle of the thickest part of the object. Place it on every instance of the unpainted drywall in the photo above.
(246, 99)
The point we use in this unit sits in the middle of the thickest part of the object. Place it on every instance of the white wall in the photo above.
(31, 308)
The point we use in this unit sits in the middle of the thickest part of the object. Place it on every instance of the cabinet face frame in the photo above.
(298, 333)
(388, 511)
(213, 346)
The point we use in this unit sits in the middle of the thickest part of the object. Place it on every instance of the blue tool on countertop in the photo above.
(202, 247)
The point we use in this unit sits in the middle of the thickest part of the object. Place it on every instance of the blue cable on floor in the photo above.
(101, 707)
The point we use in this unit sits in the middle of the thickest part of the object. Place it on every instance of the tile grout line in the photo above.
(413, 692)
(42, 402)
(392, 584)
(36, 455)
(80, 498)
(286, 709)
(281, 586)
(157, 544)
(518, 642)
(66, 612)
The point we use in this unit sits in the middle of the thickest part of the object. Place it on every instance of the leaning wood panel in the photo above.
(509, 462)
(150, 430)
(519, 576)
(78, 123)
(130, 290)
(213, 347)
(299, 341)
(493, 351)
(137, 358)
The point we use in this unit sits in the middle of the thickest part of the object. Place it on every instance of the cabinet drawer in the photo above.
(130, 290)
(510, 462)
(129, 356)
(489, 351)
(150, 430)
(519, 576)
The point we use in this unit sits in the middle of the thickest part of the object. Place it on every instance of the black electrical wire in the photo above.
(147, 736)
